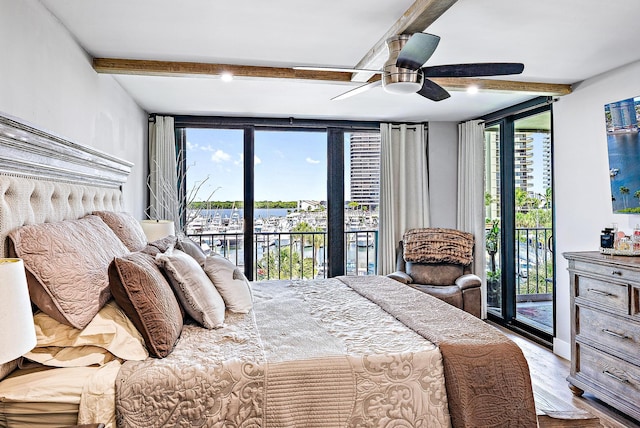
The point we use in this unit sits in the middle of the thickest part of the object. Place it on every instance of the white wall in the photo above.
(581, 177)
(443, 173)
(47, 80)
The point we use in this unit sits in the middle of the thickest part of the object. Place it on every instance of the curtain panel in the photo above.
(404, 188)
(163, 176)
(470, 212)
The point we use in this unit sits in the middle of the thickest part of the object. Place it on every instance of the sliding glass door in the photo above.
(519, 221)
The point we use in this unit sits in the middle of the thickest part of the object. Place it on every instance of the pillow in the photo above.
(146, 298)
(160, 245)
(67, 266)
(126, 227)
(109, 334)
(190, 247)
(230, 282)
(194, 289)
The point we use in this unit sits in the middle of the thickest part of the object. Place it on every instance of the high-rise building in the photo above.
(523, 160)
(365, 168)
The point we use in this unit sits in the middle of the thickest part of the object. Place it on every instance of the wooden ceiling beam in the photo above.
(197, 69)
(416, 19)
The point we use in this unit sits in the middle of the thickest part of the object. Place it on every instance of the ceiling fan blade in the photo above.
(433, 91)
(356, 91)
(338, 69)
(417, 50)
(473, 70)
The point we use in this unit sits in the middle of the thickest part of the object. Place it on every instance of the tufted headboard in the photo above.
(46, 178)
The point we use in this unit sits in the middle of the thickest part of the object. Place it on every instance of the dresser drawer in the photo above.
(609, 271)
(597, 292)
(617, 336)
(619, 378)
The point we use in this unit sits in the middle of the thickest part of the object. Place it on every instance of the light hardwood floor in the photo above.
(548, 374)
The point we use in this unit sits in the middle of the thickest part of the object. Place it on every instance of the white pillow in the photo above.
(194, 289)
(230, 282)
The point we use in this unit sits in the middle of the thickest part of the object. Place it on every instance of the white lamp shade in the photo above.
(157, 229)
(17, 332)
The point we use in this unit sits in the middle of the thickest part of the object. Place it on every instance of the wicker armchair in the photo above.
(437, 261)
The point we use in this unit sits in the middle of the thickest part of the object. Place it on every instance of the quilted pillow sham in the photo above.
(145, 296)
(67, 266)
(126, 227)
(194, 289)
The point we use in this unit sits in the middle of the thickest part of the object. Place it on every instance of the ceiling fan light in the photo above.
(403, 87)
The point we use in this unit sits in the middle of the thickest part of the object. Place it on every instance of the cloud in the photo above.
(191, 146)
(220, 156)
(256, 160)
(313, 161)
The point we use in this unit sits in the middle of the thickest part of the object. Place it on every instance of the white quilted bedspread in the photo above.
(310, 354)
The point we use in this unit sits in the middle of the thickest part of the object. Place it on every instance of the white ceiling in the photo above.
(559, 41)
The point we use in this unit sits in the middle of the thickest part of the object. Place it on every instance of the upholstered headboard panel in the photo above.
(32, 201)
(46, 178)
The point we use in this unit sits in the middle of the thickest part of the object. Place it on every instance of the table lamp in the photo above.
(17, 331)
(157, 229)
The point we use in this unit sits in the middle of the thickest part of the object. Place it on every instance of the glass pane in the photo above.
(362, 197)
(290, 217)
(215, 190)
(492, 218)
(534, 264)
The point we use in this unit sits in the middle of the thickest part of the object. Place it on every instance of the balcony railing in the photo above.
(294, 255)
(534, 267)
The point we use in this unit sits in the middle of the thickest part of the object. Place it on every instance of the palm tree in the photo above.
(637, 196)
(624, 191)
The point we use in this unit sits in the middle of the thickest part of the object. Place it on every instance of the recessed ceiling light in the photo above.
(226, 77)
(472, 89)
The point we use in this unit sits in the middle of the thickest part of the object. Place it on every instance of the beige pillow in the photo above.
(230, 282)
(146, 298)
(67, 266)
(194, 289)
(192, 248)
(126, 227)
(109, 334)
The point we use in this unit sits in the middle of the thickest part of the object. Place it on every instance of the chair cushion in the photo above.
(434, 274)
(450, 294)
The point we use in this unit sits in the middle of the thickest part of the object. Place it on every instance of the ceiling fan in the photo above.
(403, 72)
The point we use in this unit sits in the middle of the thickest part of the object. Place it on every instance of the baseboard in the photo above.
(562, 348)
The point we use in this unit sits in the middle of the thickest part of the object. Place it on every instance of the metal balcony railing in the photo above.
(294, 255)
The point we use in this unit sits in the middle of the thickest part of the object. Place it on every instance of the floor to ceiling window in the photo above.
(519, 218)
(283, 198)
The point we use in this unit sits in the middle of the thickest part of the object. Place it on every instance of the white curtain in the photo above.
(163, 175)
(470, 217)
(404, 188)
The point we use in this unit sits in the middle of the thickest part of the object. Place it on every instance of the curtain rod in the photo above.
(518, 108)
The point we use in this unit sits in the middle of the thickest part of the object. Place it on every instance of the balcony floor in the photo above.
(537, 314)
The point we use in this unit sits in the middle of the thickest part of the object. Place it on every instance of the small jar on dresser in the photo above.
(605, 328)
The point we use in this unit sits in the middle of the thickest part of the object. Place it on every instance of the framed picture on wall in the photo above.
(623, 146)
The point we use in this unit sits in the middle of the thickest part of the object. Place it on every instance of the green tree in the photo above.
(624, 191)
(637, 196)
(285, 264)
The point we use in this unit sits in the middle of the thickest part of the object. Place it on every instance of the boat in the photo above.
(364, 239)
(613, 172)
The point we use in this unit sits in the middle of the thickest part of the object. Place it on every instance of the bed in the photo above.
(346, 351)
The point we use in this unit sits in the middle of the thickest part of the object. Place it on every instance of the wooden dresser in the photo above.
(605, 329)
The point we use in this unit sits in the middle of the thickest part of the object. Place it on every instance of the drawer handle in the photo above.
(616, 272)
(600, 292)
(614, 334)
(618, 378)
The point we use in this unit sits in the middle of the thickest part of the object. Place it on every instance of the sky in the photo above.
(289, 166)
